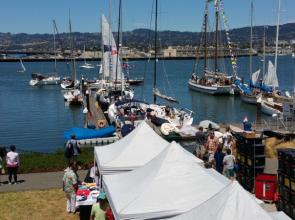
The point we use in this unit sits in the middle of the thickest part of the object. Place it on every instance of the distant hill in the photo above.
(138, 38)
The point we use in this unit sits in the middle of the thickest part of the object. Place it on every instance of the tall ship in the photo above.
(211, 81)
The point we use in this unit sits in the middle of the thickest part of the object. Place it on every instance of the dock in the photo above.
(95, 115)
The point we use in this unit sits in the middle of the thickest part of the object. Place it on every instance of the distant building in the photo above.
(169, 52)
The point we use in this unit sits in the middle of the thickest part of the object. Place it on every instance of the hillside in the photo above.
(138, 38)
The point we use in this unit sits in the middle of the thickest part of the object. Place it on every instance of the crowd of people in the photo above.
(11, 161)
(216, 152)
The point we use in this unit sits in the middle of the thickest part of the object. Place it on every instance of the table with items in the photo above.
(86, 194)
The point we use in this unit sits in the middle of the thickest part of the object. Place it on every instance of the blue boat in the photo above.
(85, 133)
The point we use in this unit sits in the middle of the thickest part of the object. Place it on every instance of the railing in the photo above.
(276, 124)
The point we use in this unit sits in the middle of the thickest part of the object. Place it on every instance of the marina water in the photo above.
(34, 119)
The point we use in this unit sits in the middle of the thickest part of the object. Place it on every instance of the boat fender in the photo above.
(166, 128)
(101, 123)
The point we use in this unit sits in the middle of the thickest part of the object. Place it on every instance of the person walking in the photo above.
(218, 157)
(12, 164)
(70, 184)
(200, 142)
(229, 162)
(73, 149)
(211, 146)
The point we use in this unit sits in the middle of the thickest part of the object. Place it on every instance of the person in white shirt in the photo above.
(229, 162)
(12, 164)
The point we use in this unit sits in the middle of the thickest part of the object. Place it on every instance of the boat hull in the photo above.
(249, 99)
(266, 109)
(213, 90)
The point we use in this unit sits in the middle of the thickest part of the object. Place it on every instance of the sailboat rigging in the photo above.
(156, 91)
(71, 83)
(212, 82)
(39, 79)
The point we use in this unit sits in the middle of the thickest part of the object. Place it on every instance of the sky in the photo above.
(35, 16)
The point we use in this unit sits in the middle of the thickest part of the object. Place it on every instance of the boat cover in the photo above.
(85, 133)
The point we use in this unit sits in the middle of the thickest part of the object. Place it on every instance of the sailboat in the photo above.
(274, 102)
(250, 93)
(212, 82)
(71, 83)
(23, 68)
(39, 79)
(166, 117)
(86, 65)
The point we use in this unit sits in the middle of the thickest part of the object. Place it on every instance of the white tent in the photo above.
(171, 184)
(279, 216)
(231, 203)
(130, 152)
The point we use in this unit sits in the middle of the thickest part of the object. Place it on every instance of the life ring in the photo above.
(101, 123)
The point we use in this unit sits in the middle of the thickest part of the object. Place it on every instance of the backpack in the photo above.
(69, 150)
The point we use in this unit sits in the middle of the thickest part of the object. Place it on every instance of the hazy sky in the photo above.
(34, 16)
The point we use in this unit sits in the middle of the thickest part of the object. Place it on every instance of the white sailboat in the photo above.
(247, 92)
(23, 68)
(39, 79)
(212, 82)
(86, 65)
(274, 105)
(71, 83)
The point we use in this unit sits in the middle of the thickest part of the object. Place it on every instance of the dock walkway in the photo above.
(95, 115)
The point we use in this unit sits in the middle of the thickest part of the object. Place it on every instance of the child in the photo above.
(229, 161)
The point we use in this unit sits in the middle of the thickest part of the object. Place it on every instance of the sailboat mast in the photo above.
(102, 53)
(118, 42)
(155, 58)
(72, 51)
(251, 40)
(54, 48)
(205, 43)
(216, 34)
(277, 35)
(264, 61)
(110, 34)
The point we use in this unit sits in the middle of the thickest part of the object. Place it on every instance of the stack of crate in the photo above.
(286, 181)
(250, 158)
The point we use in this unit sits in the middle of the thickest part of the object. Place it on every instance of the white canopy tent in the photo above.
(130, 152)
(279, 216)
(171, 184)
(231, 203)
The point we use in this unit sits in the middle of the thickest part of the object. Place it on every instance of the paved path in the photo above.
(36, 181)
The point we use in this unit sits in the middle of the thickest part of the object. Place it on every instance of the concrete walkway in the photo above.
(36, 181)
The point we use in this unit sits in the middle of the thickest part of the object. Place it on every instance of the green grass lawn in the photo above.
(41, 162)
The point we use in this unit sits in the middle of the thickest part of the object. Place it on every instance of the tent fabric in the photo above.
(171, 184)
(279, 216)
(130, 152)
(231, 203)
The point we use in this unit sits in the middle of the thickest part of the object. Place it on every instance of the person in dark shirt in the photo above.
(218, 157)
(200, 141)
